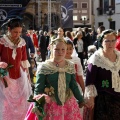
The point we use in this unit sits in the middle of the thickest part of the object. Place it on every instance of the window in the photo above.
(112, 25)
(74, 5)
(113, 3)
(84, 5)
(100, 23)
(106, 6)
(75, 17)
(101, 3)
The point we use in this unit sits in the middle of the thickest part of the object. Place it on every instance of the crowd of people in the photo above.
(47, 69)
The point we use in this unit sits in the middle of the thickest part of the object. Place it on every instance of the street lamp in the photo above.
(110, 12)
(84, 20)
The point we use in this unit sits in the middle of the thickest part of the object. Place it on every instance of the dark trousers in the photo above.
(43, 55)
(80, 55)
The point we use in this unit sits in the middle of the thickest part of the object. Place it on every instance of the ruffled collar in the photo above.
(7, 43)
(100, 60)
(11, 43)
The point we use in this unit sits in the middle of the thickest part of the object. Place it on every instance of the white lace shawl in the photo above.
(48, 68)
(7, 43)
(100, 60)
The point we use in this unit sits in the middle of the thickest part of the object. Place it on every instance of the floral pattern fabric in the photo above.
(69, 111)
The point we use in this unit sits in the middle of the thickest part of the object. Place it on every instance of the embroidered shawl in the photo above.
(100, 60)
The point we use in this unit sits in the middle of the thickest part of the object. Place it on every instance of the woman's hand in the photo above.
(3, 64)
(90, 102)
(47, 98)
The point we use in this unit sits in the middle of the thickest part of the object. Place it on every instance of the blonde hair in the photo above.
(78, 34)
(54, 42)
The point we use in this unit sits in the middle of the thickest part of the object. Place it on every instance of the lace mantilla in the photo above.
(49, 68)
(90, 91)
(7, 43)
(100, 60)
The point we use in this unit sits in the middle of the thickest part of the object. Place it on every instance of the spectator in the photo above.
(33, 37)
(60, 32)
(47, 39)
(79, 46)
(117, 46)
(42, 45)
(99, 31)
(30, 50)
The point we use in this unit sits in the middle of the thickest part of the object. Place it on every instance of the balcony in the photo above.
(100, 10)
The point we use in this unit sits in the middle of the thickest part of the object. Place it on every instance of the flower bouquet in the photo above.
(39, 107)
(4, 72)
(40, 101)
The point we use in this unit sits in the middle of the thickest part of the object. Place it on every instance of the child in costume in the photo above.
(56, 81)
(76, 61)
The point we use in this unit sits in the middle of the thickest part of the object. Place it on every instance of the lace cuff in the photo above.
(25, 64)
(90, 91)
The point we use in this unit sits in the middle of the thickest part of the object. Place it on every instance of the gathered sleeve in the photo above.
(40, 84)
(74, 87)
(24, 61)
(25, 64)
(79, 68)
(90, 89)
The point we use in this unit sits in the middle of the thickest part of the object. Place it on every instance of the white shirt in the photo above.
(80, 45)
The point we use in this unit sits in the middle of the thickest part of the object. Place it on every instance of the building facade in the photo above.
(42, 13)
(107, 13)
(82, 13)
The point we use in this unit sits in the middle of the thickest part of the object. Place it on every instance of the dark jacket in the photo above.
(42, 42)
(29, 45)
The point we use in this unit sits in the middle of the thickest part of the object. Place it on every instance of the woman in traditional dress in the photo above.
(13, 96)
(103, 80)
(57, 77)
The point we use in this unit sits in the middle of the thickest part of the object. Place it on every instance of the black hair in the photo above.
(30, 28)
(86, 29)
(52, 32)
(118, 30)
(104, 33)
(68, 34)
(69, 42)
(101, 28)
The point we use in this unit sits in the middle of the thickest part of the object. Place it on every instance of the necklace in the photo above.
(57, 63)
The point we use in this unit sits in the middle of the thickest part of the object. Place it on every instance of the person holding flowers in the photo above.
(15, 87)
(56, 82)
